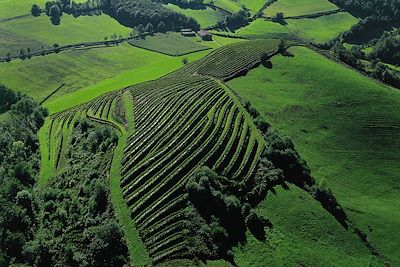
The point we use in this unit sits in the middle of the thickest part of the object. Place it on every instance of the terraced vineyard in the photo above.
(182, 122)
(231, 60)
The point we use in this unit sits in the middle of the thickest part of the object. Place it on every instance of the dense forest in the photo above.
(70, 222)
(364, 8)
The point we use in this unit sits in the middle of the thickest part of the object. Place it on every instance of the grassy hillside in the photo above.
(71, 30)
(321, 29)
(171, 43)
(253, 5)
(261, 28)
(299, 7)
(11, 8)
(229, 5)
(303, 234)
(106, 68)
(347, 128)
(206, 17)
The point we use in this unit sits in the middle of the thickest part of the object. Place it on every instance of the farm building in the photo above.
(188, 32)
(205, 35)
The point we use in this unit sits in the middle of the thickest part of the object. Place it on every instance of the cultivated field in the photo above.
(346, 127)
(299, 7)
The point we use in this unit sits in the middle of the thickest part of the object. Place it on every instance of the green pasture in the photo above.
(13, 43)
(170, 43)
(322, 29)
(228, 5)
(70, 31)
(261, 28)
(96, 70)
(303, 234)
(299, 7)
(253, 5)
(12, 8)
(346, 126)
(206, 17)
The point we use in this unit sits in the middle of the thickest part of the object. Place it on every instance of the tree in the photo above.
(282, 45)
(56, 48)
(55, 13)
(22, 54)
(149, 28)
(35, 10)
(140, 29)
(185, 61)
(8, 57)
(161, 27)
(28, 52)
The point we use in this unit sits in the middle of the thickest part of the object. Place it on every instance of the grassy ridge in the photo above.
(345, 126)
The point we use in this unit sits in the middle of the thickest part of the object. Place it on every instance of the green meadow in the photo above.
(206, 17)
(166, 43)
(322, 29)
(262, 28)
(229, 5)
(70, 31)
(299, 7)
(346, 126)
(303, 234)
(106, 68)
(11, 8)
(253, 5)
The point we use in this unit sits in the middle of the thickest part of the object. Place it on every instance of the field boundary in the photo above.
(15, 17)
(52, 93)
(312, 15)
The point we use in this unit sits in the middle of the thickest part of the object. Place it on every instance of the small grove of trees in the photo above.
(354, 57)
(280, 18)
(235, 21)
(35, 10)
(141, 12)
(219, 215)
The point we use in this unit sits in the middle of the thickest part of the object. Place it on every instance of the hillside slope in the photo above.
(347, 128)
(196, 166)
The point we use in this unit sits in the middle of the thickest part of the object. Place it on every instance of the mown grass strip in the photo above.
(137, 250)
